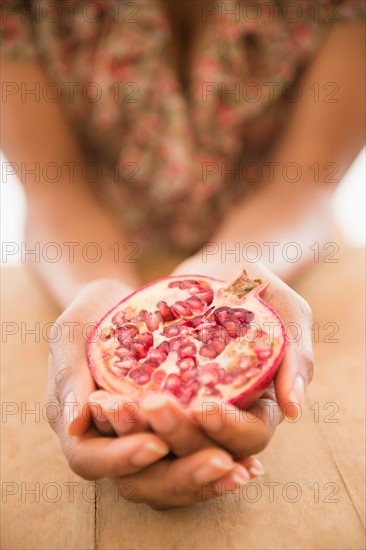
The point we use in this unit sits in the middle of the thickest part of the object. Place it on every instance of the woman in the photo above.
(190, 129)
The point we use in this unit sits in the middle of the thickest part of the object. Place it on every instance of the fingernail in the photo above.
(72, 411)
(298, 390)
(240, 475)
(149, 453)
(161, 417)
(256, 468)
(216, 467)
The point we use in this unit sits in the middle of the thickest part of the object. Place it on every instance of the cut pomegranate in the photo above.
(191, 336)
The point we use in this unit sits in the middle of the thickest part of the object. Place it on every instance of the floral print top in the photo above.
(172, 161)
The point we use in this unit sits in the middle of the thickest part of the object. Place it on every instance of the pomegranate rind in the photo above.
(101, 352)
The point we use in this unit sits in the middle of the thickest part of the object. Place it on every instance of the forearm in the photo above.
(87, 242)
(67, 228)
(318, 145)
(283, 226)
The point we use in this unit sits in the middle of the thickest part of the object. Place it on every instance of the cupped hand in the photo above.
(70, 385)
(296, 369)
(246, 432)
(97, 444)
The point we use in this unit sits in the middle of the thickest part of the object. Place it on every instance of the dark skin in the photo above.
(38, 132)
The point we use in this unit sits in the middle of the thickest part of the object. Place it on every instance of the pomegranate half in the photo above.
(191, 336)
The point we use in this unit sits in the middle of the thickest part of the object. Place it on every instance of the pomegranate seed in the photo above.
(209, 332)
(164, 347)
(208, 351)
(188, 375)
(175, 284)
(180, 309)
(127, 333)
(123, 351)
(183, 285)
(119, 371)
(172, 382)
(206, 323)
(140, 376)
(187, 350)
(206, 296)
(218, 345)
(186, 393)
(158, 376)
(243, 330)
(223, 335)
(209, 376)
(140, 317)
(165, 311)
(195, 289)
(176, 343)
(243, 315)
(126, 363)
(139, 350)
(150, 364)
(172, 330)
(195, 303)
(228, 378)
(185, 331)
(157, 355)
(222, 314)
(221, 374)
(187, 363)
(145, 338)
(197, 321)
(263, 354)
(119, 318)
(153, 320)
(232, 326)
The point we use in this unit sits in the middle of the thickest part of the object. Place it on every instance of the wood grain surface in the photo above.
(312, 496)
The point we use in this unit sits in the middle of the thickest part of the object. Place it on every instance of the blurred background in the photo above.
(348, 206)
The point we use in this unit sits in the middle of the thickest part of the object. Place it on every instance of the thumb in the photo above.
(69, 385)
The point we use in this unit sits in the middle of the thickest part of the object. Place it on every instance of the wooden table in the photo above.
(310, 498)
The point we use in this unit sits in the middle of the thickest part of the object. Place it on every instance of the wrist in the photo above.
(216, 262)
(100, 295)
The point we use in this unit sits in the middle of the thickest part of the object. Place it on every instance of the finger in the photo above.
(184, 481)
(244, 471)
(177, 428)
(99, 418)
(294, 375)
(70, 381)
(69, 388)
(253, 465)
(296, 369)
(94, 457)
(242, 432)
(122, 412)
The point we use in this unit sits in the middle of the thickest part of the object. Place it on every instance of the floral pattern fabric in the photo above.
(174, 160)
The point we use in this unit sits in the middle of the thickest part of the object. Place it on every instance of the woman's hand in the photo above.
(98, 443)
(246, 433)
(70, 386)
